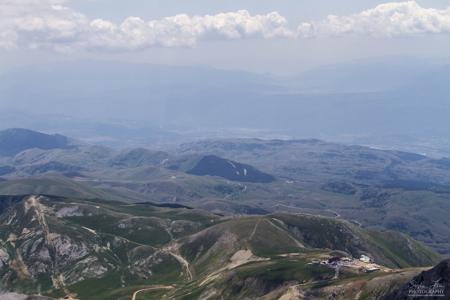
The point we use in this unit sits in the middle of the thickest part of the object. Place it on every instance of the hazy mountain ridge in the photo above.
(378, 189)
(389, 96)
(362, 180)
(14, 141)
(34, 160)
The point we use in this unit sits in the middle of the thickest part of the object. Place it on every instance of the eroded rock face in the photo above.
(67, 249)
(14, 296)
(144, 261)
(40, 247)
(89, 267)
(4, 258)
(71, 211)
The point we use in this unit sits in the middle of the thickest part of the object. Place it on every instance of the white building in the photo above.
(365, 259)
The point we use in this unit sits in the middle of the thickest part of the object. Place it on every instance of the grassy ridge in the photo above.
(117, 247)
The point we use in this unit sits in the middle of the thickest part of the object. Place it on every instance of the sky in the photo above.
(295, 10)
(273, 36)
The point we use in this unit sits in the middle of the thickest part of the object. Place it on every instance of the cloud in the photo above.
(394, 19)
(39, 24)
(183, 30)
(51, 24)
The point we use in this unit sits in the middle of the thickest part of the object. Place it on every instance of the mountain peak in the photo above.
(16, 140)
(216, 166)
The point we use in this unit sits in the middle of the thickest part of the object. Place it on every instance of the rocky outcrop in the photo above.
(14, 296)
(39, 246)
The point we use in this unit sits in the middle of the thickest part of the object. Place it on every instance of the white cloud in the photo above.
(386, 20)
(50, 24)
(184, 30)
(39, 23)
(31, 24)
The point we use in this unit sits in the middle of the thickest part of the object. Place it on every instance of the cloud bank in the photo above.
(51, 24)
(394, 19)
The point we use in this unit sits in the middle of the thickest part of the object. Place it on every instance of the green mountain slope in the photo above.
(95, 249)
(53, 185)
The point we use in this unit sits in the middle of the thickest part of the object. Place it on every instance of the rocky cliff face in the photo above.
(38, 249)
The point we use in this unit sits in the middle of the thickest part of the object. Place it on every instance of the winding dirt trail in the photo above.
(153, 288)
(173, 251)
(254, 230)
(182, 261)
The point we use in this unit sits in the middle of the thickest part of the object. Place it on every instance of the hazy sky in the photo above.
(295, 10)
(281, 36)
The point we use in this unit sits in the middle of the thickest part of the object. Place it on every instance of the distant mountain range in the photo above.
(394, 190)
(147, 103)
(29, 150)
